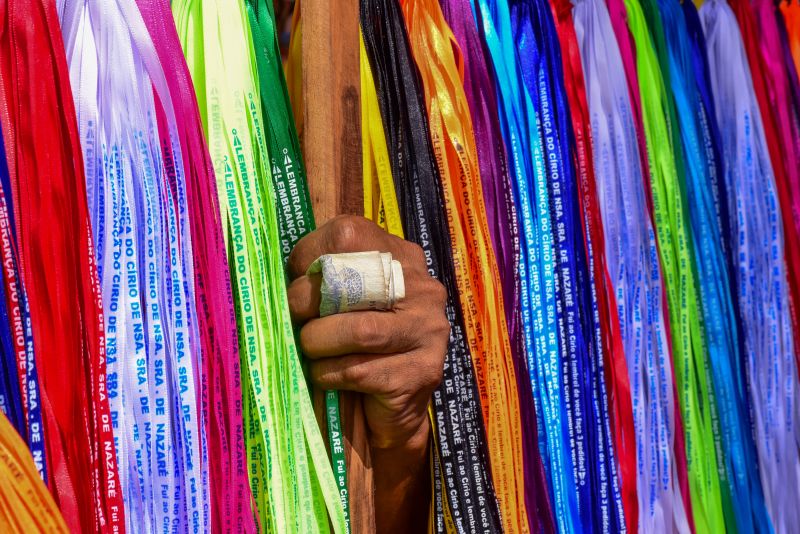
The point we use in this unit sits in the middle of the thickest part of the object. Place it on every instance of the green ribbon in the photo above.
(678, 263)
(293, 201)
(290, 476)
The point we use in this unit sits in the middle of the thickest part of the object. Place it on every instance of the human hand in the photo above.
(394, 357)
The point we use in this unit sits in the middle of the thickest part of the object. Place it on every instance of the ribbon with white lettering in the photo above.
(221, 384)
(536, 268)
(23, 366)
(462, 460)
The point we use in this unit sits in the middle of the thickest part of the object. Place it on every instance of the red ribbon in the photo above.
(58, 265)
(779, 136)
(616, 367)
(221, 393)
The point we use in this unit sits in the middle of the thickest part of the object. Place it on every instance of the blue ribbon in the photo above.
(703, 170)
(761, 284)
(558, 301)
(32, 426)
(595, 475)
(537, 260)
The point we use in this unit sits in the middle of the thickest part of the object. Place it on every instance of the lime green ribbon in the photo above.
(292, 482)
(293, 201)
(677, 259)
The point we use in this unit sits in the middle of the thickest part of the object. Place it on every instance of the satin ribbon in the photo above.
(580, 335)
(505, 232)
(144, 249)
(25, 504)
(736, 454)
(771, 85)
(58, 267)
(11, 381)
(221, 387)
(293, 202)
(291, 479)
(676, 252)
(537, 285)
(760, 269)
(791, 18)
(618, 15)
(461, 466)
(633, 269)
(380, 198)
(785, 107)
(380, 205)
(610, 344)
(712, 142)
(481, 98)
(477, 276)
(18, 316)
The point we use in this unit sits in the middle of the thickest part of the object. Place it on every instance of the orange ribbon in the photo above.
(25, 503)
(438, 59)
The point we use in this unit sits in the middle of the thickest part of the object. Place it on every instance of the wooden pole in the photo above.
(331, 141)
(332, 106)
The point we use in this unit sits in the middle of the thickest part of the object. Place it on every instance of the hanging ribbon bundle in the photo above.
(503, 226)
(608, 190)
(456, 404)
(627, 47)
(705, 196)
(221, 388)
(535, 268)
(633, 269)
(675, 251)
(771, 79)
(12, 380)
(58, 267)
(21, 401)
(290, 476)
(477, 276)
(609, 343)
(758, 249)
(137, 200)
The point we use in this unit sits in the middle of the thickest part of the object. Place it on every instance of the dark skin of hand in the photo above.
(395, 358)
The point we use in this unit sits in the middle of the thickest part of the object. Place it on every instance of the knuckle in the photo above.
(367, 332)
(355, 373)
(438, 292)
(383, 379)
(441, 328)
(433, 373)
(344, 232)
(416, 255)
(436, 377)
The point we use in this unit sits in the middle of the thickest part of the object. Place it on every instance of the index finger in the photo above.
(341, 234)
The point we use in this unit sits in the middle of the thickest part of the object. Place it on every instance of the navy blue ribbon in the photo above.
(599, 499)
(31, 427)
